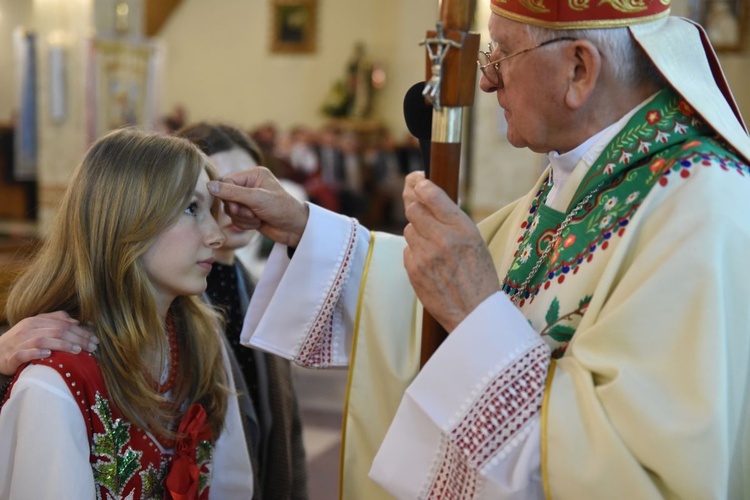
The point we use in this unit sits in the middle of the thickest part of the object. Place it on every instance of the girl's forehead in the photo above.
(200, 185)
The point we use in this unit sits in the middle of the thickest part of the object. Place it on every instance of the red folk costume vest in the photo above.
(125, 460)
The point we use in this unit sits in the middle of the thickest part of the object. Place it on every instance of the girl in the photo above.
(152, 413)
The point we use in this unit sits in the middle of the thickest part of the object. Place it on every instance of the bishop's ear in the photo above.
(586, 69)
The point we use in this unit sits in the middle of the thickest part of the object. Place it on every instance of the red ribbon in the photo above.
(182, 480)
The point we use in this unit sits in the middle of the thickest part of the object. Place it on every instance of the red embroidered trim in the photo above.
(317, 348)
(502, 410)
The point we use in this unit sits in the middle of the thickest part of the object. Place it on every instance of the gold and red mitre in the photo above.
(581, 14)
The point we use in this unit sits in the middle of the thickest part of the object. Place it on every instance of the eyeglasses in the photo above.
(484, 61)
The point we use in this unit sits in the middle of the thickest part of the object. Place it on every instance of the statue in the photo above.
(352, 96)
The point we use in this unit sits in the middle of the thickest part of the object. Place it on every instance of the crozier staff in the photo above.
(449, 88)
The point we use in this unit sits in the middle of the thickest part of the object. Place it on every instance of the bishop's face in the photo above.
(531, 84)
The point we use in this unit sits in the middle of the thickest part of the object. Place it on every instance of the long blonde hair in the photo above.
(129, 187)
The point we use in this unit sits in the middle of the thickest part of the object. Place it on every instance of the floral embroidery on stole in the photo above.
(661, 141)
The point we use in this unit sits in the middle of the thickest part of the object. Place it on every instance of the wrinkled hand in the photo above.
(254, 199)
(449, 265)
(36, 338)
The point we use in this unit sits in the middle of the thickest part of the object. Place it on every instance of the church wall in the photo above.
(219, 66)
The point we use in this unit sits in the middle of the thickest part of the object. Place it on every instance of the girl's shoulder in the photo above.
(83, 376)
(83, 366)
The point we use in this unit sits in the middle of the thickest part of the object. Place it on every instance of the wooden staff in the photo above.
(451, 78)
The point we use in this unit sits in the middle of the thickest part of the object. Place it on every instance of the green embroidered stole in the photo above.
(664, 139)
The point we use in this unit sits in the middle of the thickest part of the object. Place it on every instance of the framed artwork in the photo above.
(725, 22)
(293, 26)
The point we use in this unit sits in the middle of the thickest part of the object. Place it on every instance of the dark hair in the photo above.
(217, 138)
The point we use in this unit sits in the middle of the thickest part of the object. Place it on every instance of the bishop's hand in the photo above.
(255, 199)
(448, 262)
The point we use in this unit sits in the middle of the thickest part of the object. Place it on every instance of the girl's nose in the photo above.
(214, 235)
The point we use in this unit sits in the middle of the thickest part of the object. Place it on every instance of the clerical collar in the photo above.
(562, 165)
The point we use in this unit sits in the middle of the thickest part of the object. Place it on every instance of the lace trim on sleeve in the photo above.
(316, 349)
(491, 427)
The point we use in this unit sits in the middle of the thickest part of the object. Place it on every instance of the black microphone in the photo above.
(418, 117)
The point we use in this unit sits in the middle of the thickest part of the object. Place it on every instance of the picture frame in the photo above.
(294, 26)
(725, 22)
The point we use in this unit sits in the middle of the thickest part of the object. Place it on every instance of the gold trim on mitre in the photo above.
(627, 6)
(534, 5)
(581, 14)
(578, 25)
(578, 4)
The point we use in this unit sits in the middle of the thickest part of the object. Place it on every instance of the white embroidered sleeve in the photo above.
(471, 417)
(303, 309)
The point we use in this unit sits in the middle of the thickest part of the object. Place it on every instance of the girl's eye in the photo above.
(192, 209)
